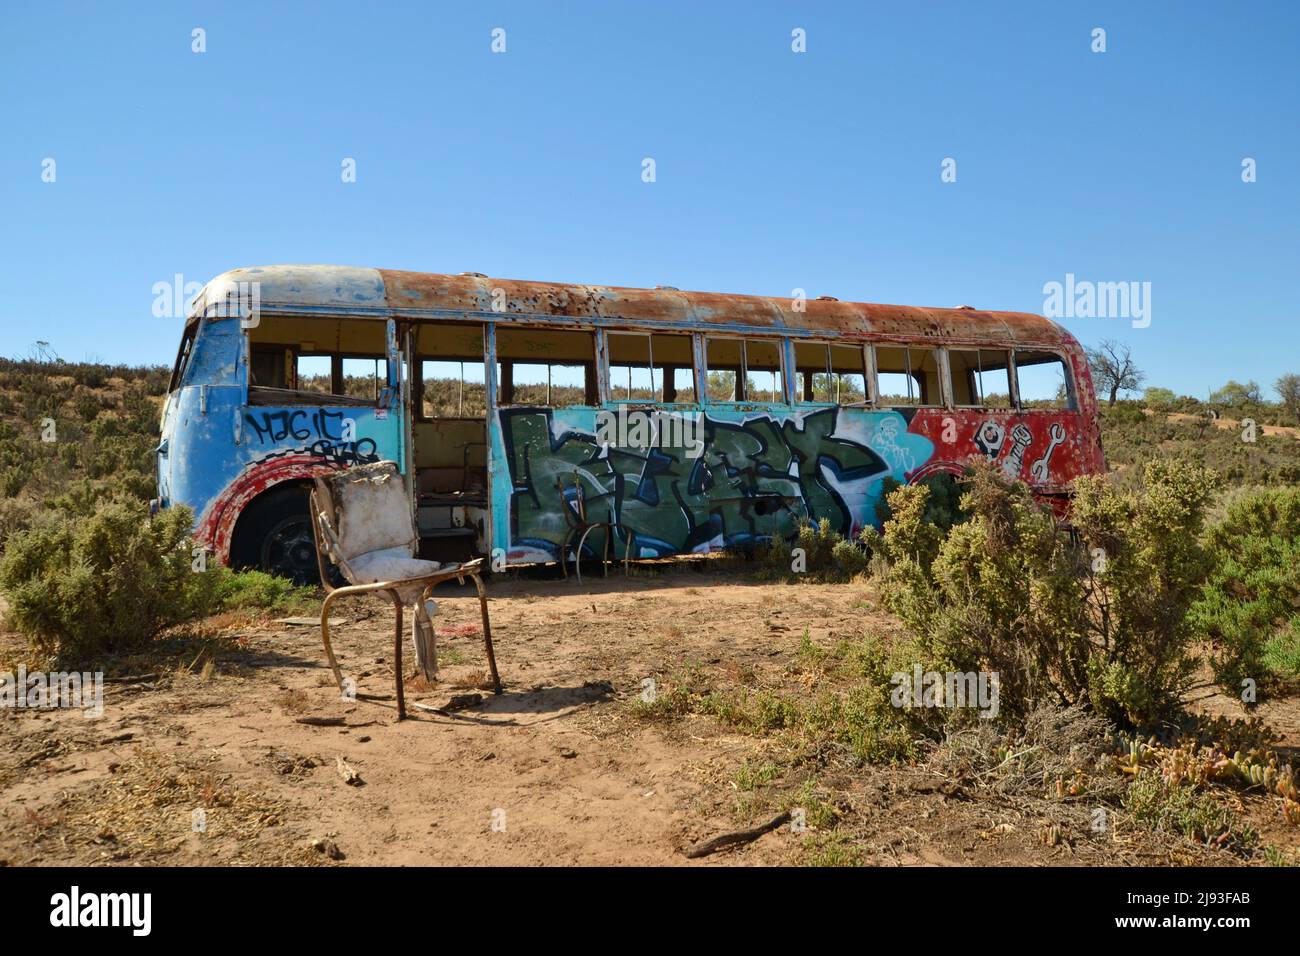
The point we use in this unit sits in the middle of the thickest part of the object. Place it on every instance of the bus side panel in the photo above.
(753, 473)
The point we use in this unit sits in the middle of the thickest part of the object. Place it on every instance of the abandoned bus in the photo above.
(686, 421)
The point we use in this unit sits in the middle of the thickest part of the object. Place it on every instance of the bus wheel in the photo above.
(274, 534)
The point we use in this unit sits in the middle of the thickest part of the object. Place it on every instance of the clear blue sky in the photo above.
(775, 170)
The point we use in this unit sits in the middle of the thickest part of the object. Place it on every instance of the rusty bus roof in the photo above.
(385, 293)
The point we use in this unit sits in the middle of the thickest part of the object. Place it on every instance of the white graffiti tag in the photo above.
(1015, 460)
(886, 444)
(1038, 470)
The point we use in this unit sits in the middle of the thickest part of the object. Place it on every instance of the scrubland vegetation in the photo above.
(1178, 569)
(85, 571)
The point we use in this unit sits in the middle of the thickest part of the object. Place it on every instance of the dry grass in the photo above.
(143, 812)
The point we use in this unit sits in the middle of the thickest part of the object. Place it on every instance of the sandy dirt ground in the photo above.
(557, 770)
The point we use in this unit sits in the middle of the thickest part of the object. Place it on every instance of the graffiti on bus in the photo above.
(760, 474)
(329, 436)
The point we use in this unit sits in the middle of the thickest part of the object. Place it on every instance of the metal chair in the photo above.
(573, 505)
(362, 522)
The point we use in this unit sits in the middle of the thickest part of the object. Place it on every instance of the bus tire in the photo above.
(274, 535)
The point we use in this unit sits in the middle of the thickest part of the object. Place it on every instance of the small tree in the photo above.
(1236, 395)
(1113, 369)
(1288, 389)
(1160, 398)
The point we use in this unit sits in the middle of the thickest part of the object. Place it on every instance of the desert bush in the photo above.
(1054, 743)
(823, 554)
(942, 504)
(80, 588)
(140, 412)
(115, 453)
(154, 378)
(86, 405)
(855, 718)
(78, 499)
(1126, 413)
(138, 485)
(16, 514)
(89, 374)
(1140, 585)
(13, 479)
(1097, 618)
(1250, 606)
(826, 555)
(863, 718)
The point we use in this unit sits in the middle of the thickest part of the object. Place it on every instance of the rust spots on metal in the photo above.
(422, 291)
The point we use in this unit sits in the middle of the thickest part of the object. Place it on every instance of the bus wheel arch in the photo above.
(250, 501)
(934, 469)
(273, 533)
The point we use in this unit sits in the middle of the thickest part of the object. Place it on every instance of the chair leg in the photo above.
(425, 641)
(627, 553)
(325, 636)
(609, 536)
(397, 654)
(423, 617)
(577, 555)
(564, 551)
(487, 633)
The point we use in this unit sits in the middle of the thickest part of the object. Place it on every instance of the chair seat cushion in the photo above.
(389, 564)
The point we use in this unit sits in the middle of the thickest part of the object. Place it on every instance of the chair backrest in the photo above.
(367, 509)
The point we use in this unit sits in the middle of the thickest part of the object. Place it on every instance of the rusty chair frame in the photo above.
(321, 502)
(575, 514)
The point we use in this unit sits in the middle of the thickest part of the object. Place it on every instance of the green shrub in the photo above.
(1126, 413)
(819, 553)
(855, 719)
(1160, 398)
(1010, 591)
(90, 374)
(259, 591)
(1282, 652)
(942, 504)
(140, 412)
(12, 480)
(1140, 654)
(80, 588)
(86, 405)
(16, 514)
(1250, 606)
